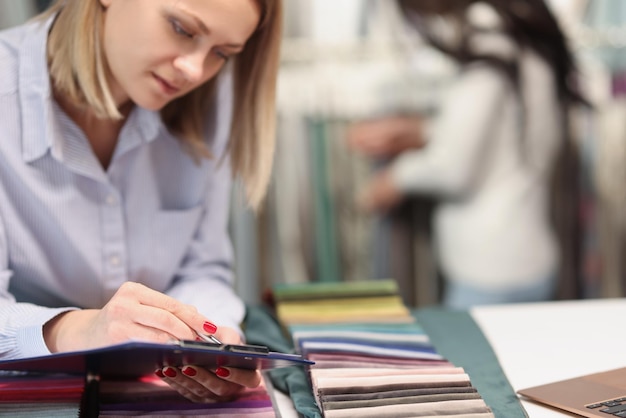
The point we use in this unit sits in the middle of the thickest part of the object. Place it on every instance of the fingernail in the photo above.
(169, 372)
(159, 373)
(189, 371)
(209, 327)
(222, 372)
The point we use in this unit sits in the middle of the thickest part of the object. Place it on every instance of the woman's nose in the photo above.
(191, 66)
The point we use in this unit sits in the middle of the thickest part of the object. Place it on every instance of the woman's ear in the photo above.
(105, 3)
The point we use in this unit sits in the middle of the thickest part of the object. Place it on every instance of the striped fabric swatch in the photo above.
(40, 396)
(372, 358)
(149, 397)
(50, 396)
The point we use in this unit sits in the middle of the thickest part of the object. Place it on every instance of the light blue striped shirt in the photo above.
(72, 233)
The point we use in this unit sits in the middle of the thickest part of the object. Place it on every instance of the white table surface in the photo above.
(540, 343)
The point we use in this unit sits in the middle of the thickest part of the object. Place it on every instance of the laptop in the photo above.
(593, 395)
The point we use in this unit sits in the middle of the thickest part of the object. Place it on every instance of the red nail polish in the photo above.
(159, 373)
(169, 372)
(222, 372)
(189, 371)
(209, 327)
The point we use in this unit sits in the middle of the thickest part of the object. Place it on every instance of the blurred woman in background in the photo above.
(489, 153)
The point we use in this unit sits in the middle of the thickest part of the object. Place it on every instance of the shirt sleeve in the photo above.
(21, 324)
(449, 164)
(205, 278)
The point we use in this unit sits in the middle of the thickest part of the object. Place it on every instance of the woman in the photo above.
(488, 155)
(115, 173)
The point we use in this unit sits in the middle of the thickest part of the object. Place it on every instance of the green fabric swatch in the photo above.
(333, 290)
(326, 251)
(458, 338)
(261, 328)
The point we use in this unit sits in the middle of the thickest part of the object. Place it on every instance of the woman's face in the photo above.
(158, 50)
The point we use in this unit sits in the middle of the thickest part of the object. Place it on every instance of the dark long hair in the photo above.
(529, 22)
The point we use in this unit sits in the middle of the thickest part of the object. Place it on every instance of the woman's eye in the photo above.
(180, 30)
(221, 54)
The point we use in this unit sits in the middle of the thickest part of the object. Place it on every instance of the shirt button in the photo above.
(114, 260)
(111, 200)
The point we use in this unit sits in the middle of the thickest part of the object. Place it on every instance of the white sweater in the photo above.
(492, 226)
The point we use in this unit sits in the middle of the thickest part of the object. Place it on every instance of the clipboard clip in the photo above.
(233, 348)
(247, 349)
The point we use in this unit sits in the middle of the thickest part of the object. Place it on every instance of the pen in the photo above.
(209, 339)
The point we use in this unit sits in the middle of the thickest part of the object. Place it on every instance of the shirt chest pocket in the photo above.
(171, 235)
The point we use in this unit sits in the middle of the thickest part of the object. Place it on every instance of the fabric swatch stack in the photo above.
(50, 396)
(151, 397)
(40, 396)
(372, 358)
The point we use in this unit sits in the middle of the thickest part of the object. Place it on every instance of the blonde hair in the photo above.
(78, 70)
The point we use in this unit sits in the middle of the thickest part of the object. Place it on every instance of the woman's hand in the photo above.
(380, 194)
(137, 312)
(386, 137)
(219, 384)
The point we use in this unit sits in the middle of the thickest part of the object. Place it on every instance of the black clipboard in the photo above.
(136, 359)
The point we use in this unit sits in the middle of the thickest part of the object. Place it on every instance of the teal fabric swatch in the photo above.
(458, 338)
(326, 250)
(261, 328)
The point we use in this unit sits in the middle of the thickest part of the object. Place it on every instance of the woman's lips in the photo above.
(167, 88)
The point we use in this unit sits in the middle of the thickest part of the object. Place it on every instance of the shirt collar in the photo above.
(148, 123)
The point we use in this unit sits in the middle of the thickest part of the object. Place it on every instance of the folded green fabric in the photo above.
(333, 290)
(456, 337)
(261, 328)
